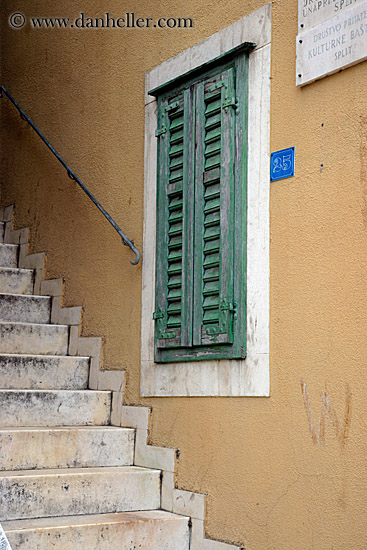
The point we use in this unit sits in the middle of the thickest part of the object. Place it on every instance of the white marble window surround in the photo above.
(229, 377)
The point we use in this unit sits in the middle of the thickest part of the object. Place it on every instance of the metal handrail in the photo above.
(126, 241)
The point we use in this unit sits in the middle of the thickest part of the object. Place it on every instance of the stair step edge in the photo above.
(91, 519)
(58, 472)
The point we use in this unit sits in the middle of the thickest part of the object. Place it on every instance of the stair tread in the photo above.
(37, 338)
(91, 519)
(43, 325)
(9, 255)
(63, 428)
(15, 280)
(73, 491)
(54, 391)
(16, 269)
(59, 472)
(9, 245)
(24, 308)
(44, 357)
(65, 447)
(43, 407)
(46, 372)
(25, 296)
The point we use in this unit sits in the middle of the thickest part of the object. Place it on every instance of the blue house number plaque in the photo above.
(282, 164)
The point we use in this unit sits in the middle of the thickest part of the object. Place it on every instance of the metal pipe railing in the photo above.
(126, 241)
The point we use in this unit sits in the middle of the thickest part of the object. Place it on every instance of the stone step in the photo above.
(54, 407)
(16, 281)
(76, 491)
(154, 530)
(8, 255)
(43, 372)
(65, 447)
(20, 308)
(31, 338)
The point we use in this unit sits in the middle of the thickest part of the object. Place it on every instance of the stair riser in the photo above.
(154, 535)
(65, 448)
(43, 373)
(8, 255)
(33, 339)
(16, 281)
(25, 309)
(54, 408)
(78, 493)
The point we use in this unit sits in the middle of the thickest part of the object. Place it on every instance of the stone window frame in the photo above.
(226, 377)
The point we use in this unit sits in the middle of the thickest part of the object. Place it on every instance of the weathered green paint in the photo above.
(188, 221)
(201, 310)
(202, 69)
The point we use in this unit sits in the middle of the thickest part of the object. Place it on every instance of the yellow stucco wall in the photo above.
(275, 478)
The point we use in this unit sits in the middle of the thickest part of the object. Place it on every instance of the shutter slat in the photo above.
(213, 135)
(176, 162)
(213, 204)
(175, 281)
(175, 228)
(212, 232)
(211, 274)
(212, 245)
(212, 148)
(176, 175)
(176, 149)
(174, 268)
(175, 255)
(212, 219)
(177, 124)
(175, 215)
(211, 317)
(175, 203)
(176, 136)
(213, 121)
(211, 286)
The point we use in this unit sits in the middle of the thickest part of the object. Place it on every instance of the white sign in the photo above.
(313, 12)
(4, 543)
(333, 45)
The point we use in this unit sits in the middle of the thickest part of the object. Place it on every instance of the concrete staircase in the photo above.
(67, 477)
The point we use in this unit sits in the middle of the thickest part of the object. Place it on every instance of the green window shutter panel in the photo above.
(174, 251)
(214, 313)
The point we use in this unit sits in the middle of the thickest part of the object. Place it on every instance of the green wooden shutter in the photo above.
(215, 308)
(200, 309)
(174, 234)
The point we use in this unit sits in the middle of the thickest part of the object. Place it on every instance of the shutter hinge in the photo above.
(230, 102)
(229, 306)
(216, 86)
(214, 330)
(158, 314)
(167, 335)
(160, 131)
(172, 106)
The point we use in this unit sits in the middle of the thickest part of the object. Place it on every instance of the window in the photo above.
(223, 368)
(201, 212)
